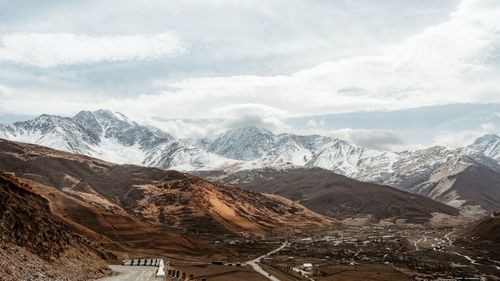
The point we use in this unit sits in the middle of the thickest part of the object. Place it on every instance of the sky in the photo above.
(198, 67)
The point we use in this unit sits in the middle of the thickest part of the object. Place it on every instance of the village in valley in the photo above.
(369, 252)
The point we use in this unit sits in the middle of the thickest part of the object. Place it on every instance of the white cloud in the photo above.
(379, 139)
(376, 139)
(54, 49)
(447, 63)
(35, 102)
(4, 91)
(455, 61)
(235, 116)
(184, 129)
(464, 137)
(451, 62)
(258, 115)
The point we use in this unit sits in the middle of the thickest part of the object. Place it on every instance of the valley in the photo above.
(246, 140)
(291, 224)
(369, 252)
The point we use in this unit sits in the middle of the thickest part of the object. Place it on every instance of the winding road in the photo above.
(447, 236)
(254, 263)
(418, 241)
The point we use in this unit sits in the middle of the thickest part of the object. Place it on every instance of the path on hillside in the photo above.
(132, 273)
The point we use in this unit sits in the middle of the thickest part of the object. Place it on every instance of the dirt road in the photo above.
(254, 263)
(132, 273)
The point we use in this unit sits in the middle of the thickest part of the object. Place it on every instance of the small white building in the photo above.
(307, 266)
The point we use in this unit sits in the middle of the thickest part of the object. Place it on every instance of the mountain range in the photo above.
(133, 206)
(336, 196)
(467, 177)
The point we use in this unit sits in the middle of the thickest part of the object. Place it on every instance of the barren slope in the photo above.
(483, 234)
(36, 243)
(334, 195)
(112, 198)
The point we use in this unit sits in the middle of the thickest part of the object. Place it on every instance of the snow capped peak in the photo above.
(247, 131)
(108, 118)
(49, 117)
(488, 145)
(102, 134)
(113, 137)
(43, 119)
(487, 139)
(110, 114)
(100, 118)
(44, 123)
(245, 143)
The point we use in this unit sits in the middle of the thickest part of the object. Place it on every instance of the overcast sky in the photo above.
(287, 65)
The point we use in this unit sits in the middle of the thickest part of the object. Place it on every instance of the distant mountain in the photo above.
(433, 172)
(334, 195)
(436, 172)
(111, 136)
(117, 200)
(250, 143)
(247, 143)
(463, 180)
(489, 145)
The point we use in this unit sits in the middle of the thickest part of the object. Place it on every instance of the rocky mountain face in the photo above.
(334, 195)
(247, 143)
(432, 172)
(489, 145)
(134, 206)
(110, 136)
(36, 244)
(470, 181)
(436, 172)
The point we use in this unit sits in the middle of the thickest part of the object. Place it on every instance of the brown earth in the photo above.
(483, 234)
(37, 245)
(487, 228)
(335, 195)
(136, 209)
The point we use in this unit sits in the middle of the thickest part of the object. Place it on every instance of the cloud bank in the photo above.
(55, 49)
(452, 61)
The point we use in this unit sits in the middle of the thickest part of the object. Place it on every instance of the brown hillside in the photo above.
(134, 206)
(487, 228)
(335, 195)
(48, 245)
(483, 234)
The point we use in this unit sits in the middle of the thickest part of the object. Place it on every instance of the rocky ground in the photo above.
(35, 245)
(19, 264)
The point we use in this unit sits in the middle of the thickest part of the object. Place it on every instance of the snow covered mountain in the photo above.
(488, 145)
(435, 172)
(247, 143)
(111, 136)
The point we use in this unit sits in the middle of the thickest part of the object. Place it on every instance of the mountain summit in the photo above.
(488, 145)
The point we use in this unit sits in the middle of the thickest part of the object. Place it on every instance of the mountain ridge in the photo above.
(335, 195)
(114, 137)
(149, 199)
